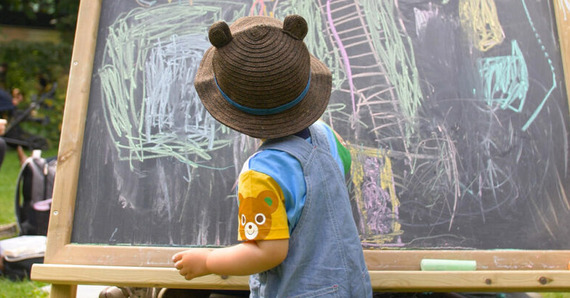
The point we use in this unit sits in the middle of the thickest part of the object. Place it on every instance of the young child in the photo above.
(295, 219)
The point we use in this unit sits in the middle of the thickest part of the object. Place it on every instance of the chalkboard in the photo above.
(456, 114)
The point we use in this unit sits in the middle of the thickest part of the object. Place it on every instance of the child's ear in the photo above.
(270, 198)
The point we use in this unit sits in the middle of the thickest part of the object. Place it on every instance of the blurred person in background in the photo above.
(3, 146)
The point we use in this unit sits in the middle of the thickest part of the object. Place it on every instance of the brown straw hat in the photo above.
(260, 79)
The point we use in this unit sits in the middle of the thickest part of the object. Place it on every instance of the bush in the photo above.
(34, 67)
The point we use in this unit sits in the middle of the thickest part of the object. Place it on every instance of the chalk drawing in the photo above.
(480, 20)
(376, 197)
(261, 9)
(344, 55)
(423, 17)
(146, 3)
(169, 119)
(150, 3)
(396, 58)
(548, 60)
(505, 79)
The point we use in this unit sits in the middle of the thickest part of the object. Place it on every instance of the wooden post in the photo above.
(63, 291)
(562, 12)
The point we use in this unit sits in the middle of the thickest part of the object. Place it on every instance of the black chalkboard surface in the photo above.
(456, 114)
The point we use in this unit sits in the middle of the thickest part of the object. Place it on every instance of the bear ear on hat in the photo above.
(219, 34)
(296, 26)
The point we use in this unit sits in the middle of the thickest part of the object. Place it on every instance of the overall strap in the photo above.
(298, 147)
(319, 136)
(293, 145)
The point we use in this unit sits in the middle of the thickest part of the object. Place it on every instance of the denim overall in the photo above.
(325, 256)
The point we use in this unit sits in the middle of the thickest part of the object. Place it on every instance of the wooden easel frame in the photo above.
(67, 265)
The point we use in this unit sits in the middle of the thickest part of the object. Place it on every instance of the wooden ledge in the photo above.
(382, 281)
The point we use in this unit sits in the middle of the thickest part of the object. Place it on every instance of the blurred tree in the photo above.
(56, 14)
(32, 63)
(66, 12)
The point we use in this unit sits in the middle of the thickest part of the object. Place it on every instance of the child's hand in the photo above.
(192, 263)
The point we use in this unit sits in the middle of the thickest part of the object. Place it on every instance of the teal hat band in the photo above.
(264, 112)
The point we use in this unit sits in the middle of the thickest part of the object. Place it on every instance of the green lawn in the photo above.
(21, 289)
(8, 178)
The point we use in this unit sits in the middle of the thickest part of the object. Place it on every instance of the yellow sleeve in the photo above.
(262, 214)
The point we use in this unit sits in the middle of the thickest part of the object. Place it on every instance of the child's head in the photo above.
(260, 79)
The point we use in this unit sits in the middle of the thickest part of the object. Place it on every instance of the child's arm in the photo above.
(242, 259)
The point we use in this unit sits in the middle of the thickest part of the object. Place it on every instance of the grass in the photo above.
(8, 179)
(21, 289)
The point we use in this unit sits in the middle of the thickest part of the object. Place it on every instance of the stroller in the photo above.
(15, 135)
